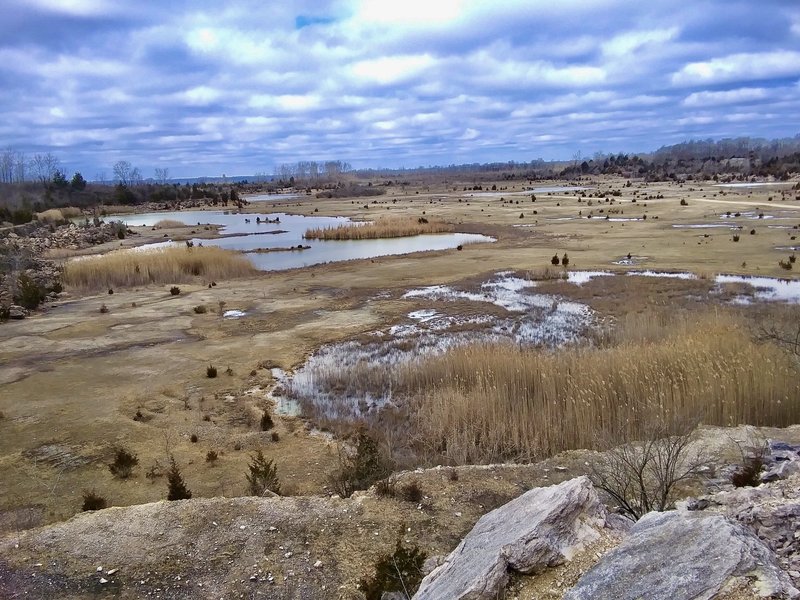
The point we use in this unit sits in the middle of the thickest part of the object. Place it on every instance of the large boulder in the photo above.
(683, 556)
(771, 511)
(543, 527)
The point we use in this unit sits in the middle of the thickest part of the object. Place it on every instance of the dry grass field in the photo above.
(75, 382)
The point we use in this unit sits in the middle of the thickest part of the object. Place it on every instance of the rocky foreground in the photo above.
(555, 539)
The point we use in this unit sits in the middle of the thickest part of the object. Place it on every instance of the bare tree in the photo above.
(7, 159)
(162, 175)
(642, 476)
(20, 167)
(44, 167)
(126, 174)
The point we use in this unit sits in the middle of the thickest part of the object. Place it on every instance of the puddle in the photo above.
(753, 184)
(629, 261)
(704, 226)
(767, 288)
(558, 188)
(609, 218)
(233, 314)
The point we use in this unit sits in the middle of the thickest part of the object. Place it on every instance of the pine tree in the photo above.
(177, 487)
(263, 476)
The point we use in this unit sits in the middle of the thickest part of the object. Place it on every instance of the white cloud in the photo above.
(391, 69)
(707, 99)
(740, 67)
(629, 42)
(409, 12)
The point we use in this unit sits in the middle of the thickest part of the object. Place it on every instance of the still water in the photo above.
(288, 233)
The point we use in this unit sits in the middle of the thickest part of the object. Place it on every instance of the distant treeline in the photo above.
(732, 158)
(19, 202)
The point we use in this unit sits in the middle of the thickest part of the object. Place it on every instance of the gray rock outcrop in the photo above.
(543, 527)
(683, 556)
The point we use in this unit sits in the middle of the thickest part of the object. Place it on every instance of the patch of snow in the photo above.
(581, 277)
(665, 274)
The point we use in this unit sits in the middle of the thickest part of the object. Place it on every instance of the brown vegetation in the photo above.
(389, 227)
(169, 224)
(168, 265)
(496, 402)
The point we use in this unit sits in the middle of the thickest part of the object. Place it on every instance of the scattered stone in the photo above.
(543, 527)
(318, 564)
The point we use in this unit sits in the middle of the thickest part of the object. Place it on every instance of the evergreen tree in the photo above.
(263, 476)
(177, 487)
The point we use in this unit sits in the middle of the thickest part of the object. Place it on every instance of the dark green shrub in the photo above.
(177, 489)
(211, 371)
(386, 487)
(360, 469)
(275, 437)
(266, 421)
(123, 464)
(749, 474)
(397, 572)
(565, 259)
(29, 294)
(684, 202)
(263, 476)
(211, 456)
(193, 438)
(555, 260)
(93, 501)
(174, 290)
(103, 309)
(411, 492)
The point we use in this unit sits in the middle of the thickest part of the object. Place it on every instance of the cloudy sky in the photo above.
(206, 88)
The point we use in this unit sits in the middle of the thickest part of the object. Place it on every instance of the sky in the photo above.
(238, 87)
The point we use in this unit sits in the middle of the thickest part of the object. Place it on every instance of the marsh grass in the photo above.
(169, 224)
(117, 209)
(546, 274)
(500, 402)
(389, 227)
(168, 265)
(58, 215)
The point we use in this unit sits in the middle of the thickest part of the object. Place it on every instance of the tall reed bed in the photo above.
(169, 224)
(389, 227)
(57, 215)
(125, 268)
(498, 402)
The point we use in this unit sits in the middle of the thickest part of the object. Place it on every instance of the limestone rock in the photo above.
(543, 527)
(683, 556)
(17, 312)
(782, 461)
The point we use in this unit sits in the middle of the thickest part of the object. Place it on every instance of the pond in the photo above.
(273, 240)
